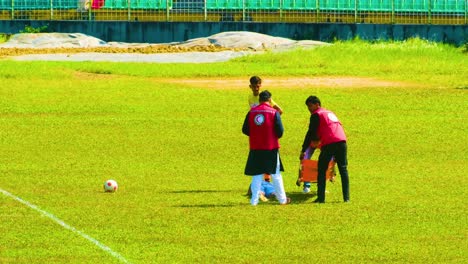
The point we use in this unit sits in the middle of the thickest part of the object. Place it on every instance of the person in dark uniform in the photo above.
(264, 127)
(324, 127)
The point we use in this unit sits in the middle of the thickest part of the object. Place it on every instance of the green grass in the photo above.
(3, 38)
(178, 154)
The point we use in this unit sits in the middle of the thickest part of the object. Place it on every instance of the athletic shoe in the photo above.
(288, 201)
(298, 182)
(263, 198)
(317, 201)
(306, 190)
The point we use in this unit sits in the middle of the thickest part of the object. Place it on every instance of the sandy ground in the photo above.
(288, 82)
(180, 57)
(146, 49)
(151, 53)
(273, 82)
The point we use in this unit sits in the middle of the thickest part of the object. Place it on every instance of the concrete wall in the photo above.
(164, 32)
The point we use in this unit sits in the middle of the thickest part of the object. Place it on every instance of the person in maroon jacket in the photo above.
(264, 127)
(325, 127)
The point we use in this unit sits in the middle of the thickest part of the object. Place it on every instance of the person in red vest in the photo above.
(98, 4)
(324, 127)
(255, 85)
(264, 127)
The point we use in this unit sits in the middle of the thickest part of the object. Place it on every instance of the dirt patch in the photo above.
(148, 49)
(93, 76)
(295, 82)
(271, 82)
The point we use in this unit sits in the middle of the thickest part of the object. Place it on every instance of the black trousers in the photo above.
(340, 151)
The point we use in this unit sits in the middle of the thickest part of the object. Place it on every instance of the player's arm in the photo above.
(311, 138)
(245, 126)
(280, 111)
(276, 106)
(279, 129)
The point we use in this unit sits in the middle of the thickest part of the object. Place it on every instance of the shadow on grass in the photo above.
(296, 198)
(200, 191)
(209, 205)
(299, 197)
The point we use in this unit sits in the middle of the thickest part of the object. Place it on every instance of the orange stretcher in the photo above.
(308, 171)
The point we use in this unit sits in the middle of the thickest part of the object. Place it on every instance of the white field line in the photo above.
(66, 226)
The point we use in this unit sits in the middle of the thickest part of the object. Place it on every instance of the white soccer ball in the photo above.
(110, 186)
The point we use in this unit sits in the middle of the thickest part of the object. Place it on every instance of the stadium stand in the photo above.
(335, 11)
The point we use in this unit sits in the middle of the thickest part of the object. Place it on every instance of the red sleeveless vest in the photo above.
(330, 129)
(262, 128)
(97, 4)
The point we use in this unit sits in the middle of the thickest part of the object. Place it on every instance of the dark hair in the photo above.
(255, 80)
(313, 100)
(264, 96)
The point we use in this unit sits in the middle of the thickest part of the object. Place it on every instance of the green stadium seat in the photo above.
(65, 4)
(401, 6)
(137, 4)
(140, 4)
(421, 6)
(346, 5)
(263, 4)
(39, 4)
(385, 5)
(363, 5)
(302, 4)
(337, 5)
(375, 5)
(461, 6)
(235, 4)
(411, 6)
(216, 4)
(31, 4)
(254, 4)
(448, 6)
(5, 4)
(224, 4)
(438, 6)
(328, 5)
(299, 5)
(115, 4)
(148, 4)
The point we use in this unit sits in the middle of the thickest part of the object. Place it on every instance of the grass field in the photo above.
(176, 149)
